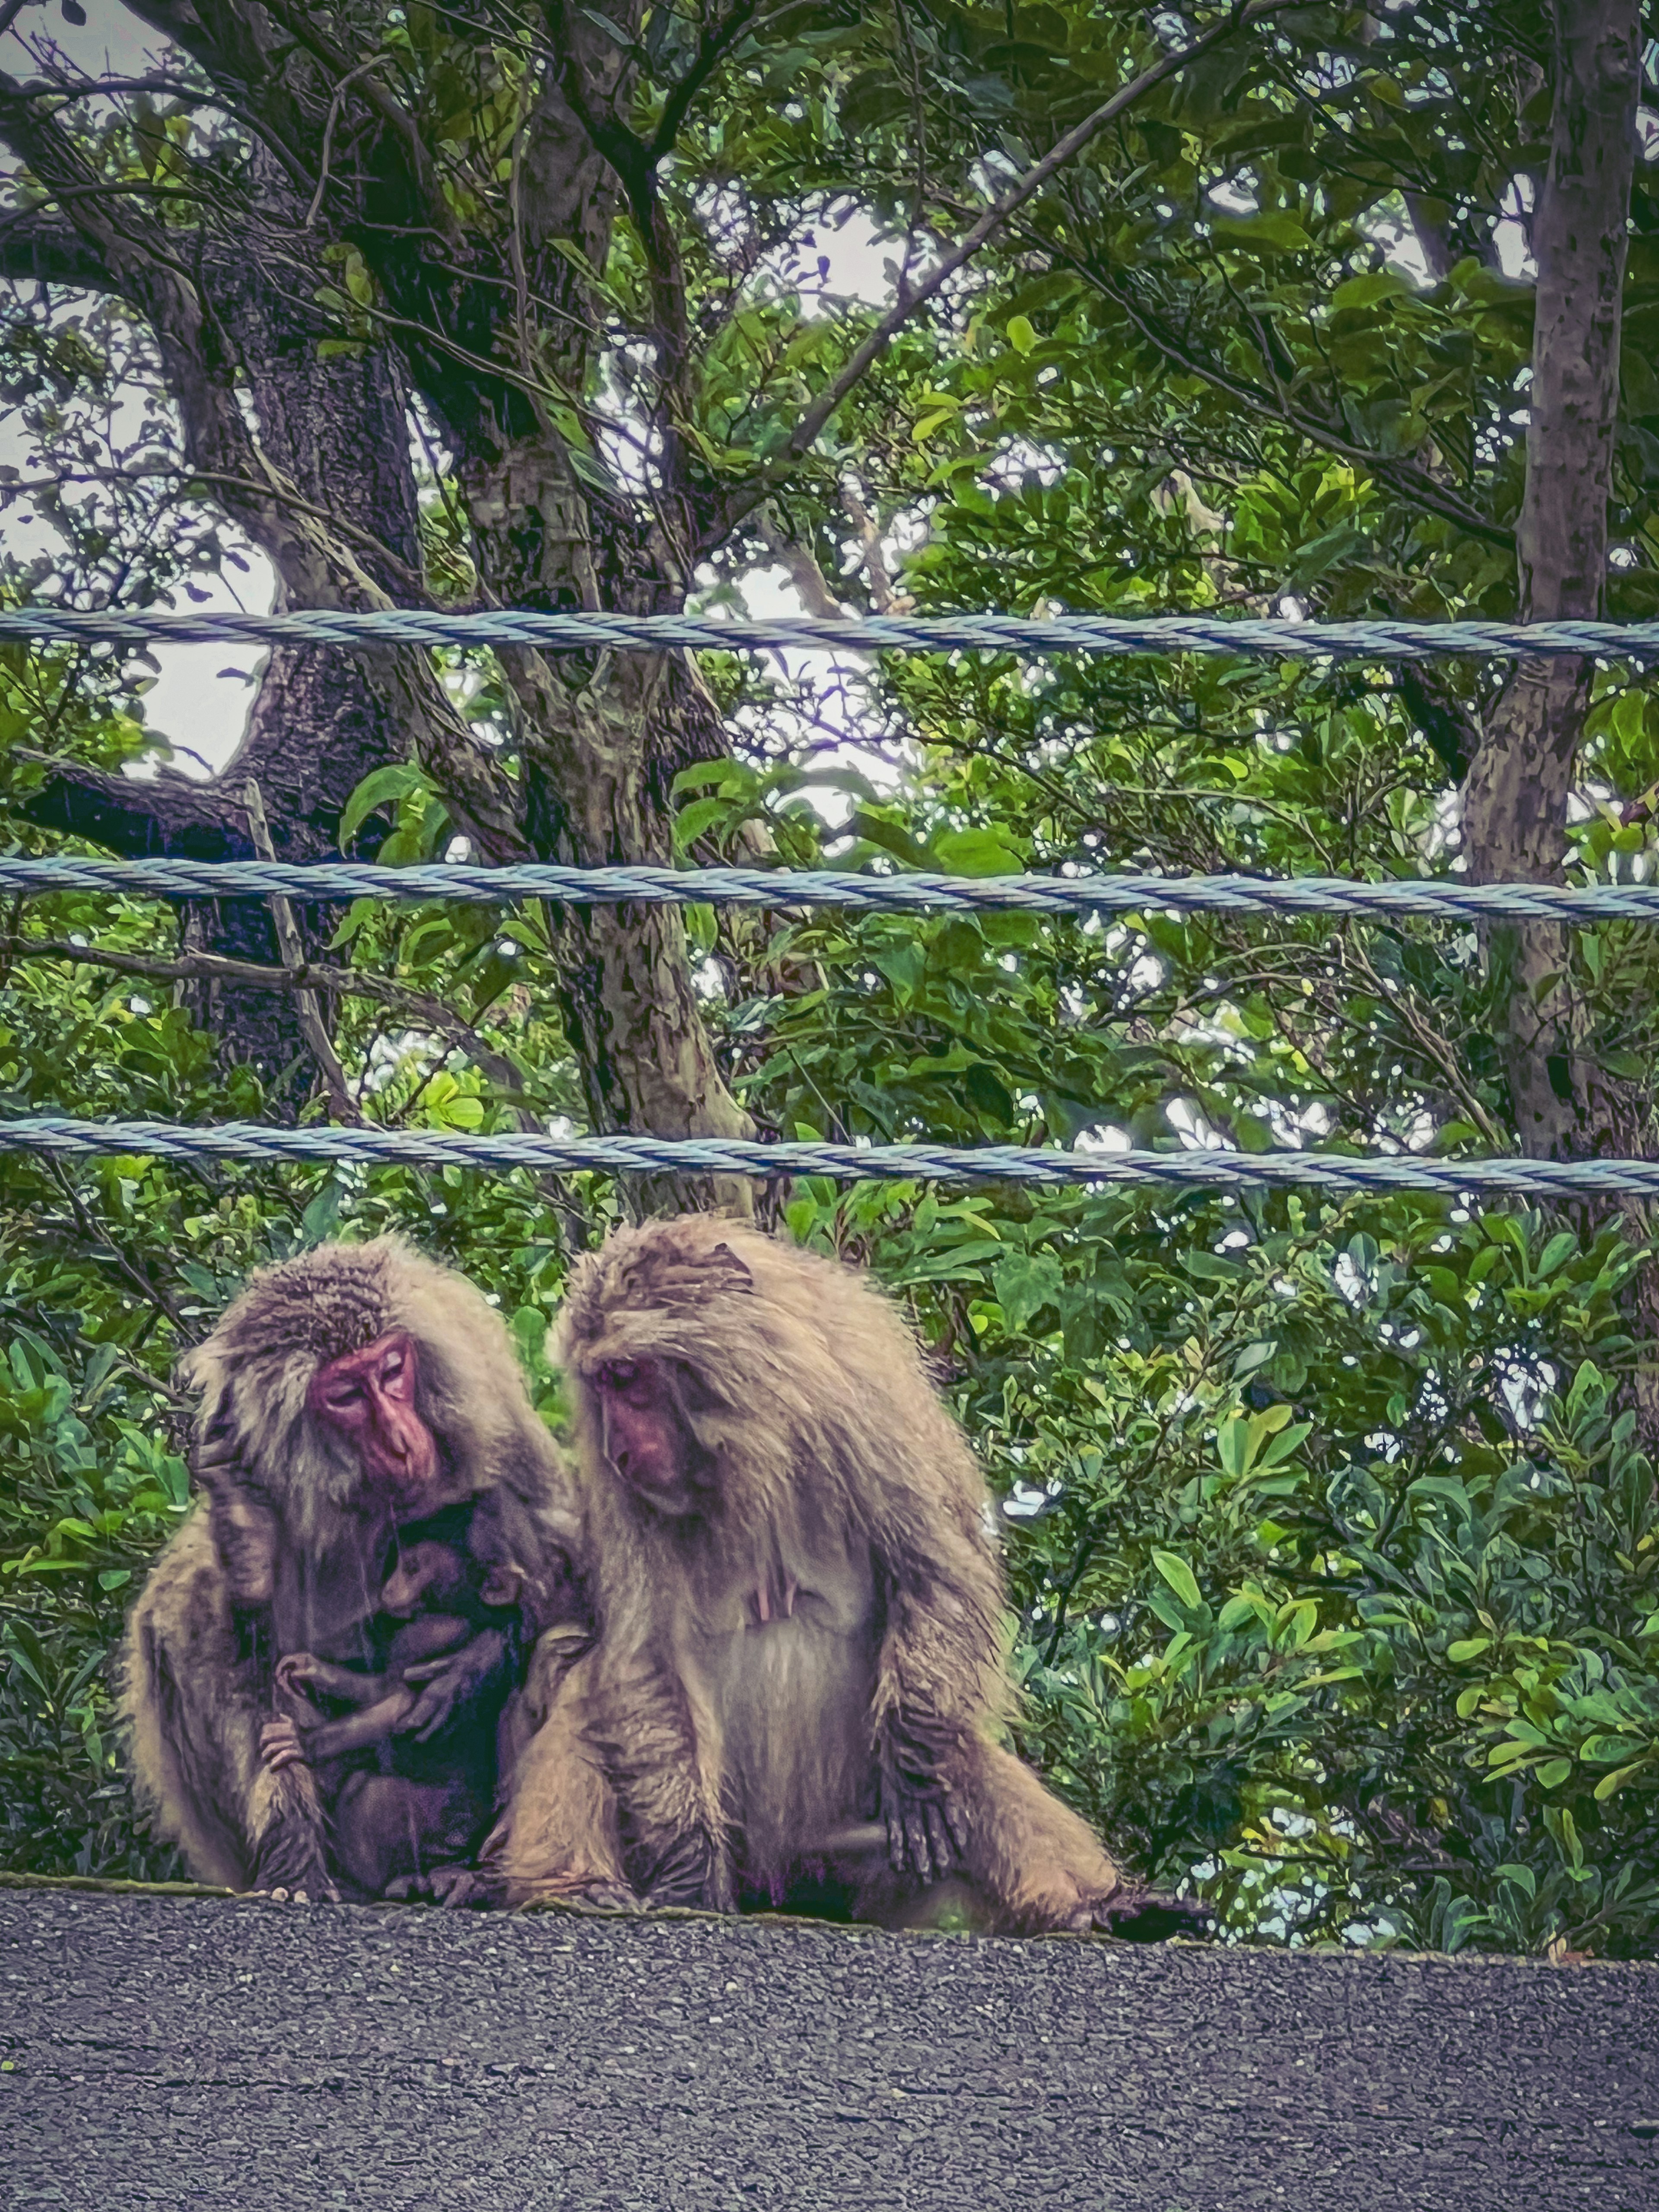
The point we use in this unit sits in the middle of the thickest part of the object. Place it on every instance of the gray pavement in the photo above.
(202, 2052)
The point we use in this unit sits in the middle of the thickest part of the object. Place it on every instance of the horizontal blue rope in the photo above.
(1199, 1170)
(815, 887)
(967, 633)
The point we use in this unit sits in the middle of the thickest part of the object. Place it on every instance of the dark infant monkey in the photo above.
(350, 1392)
(408, 1787)
(800, 1599)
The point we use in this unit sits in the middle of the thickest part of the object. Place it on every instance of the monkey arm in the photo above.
(678, 1850)
(456, 1680)
(301, 1672)
(196, 1694)
(333, 1738)
(938, 1676)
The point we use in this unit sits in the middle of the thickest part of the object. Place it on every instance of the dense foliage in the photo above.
(1331, 1527)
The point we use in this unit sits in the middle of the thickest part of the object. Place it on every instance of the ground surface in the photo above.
(200, 2053)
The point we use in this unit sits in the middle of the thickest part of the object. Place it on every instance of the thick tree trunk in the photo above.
(1564, 1103)
(601, 740)
(338, 429)
(1515, 800)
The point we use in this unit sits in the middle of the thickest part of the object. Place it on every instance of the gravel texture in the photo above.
(201, 2052)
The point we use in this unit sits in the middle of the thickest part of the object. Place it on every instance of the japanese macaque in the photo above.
(349, 1394)
(800, 1603)
(411, 1820)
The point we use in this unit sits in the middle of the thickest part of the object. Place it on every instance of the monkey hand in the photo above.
(449, 1683)
(923, 1834)
(295, 1670)
(280, 1745)
(692, 1870)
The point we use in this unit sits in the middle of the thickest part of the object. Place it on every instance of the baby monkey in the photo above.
(429, 1717)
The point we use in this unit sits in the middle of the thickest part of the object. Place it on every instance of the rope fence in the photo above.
(1204, 1169)
(1197, 1169)
(1044, 636)
(815, 887)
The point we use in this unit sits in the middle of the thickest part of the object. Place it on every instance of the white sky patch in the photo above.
(1513, 255)
(844, 255)
(835, 724)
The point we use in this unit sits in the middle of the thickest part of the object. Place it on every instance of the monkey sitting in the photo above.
(408, 1824)
(800, 1603)
(349, 1396)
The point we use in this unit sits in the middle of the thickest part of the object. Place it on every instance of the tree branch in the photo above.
(290, 943)
(713, 47)
(419, 1007)
(53, 253)
(1566, 1103)
(1404, 478)
(1242, 15)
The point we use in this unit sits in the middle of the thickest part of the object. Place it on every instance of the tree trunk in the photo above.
(1565, 1104)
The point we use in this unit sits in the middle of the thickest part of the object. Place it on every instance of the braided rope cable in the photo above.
(654, 886)
(1196, 1170)
(966, 633)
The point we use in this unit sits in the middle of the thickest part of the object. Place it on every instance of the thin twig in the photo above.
(291, 946)
(375, 62)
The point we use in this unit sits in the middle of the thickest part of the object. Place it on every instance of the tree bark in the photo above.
(490, 318)
(1565, 1105)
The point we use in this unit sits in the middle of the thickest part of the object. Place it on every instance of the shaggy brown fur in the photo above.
(289, 1546)
(817, 1639)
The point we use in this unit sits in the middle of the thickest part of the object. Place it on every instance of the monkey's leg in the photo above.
(196, 1704)
(661, 1760)
(388, 1831)
(557, 1836)
(1039, 1864)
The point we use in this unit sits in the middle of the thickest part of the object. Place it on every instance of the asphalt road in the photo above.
(200, 2053)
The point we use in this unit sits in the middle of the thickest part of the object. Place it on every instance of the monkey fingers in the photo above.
(920, 1838)
(449, 1683)
(299, 1673)
(1141, 1916)
(924, 1835)
(692, 1871)
(280, 1745)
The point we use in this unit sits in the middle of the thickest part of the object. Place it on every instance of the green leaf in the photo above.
(1561, 1246)
(1025, 1282)
(1021, 335)
(1521, 1876)
(1179, 1576)
(1611, 1784)
(976, 852)
(383, 787)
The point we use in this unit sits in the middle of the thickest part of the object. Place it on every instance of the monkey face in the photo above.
(428, 1573)
(368, 1398)
(643, 1433)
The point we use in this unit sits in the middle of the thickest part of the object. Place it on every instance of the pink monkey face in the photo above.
(368, 1398)
(642, 1432)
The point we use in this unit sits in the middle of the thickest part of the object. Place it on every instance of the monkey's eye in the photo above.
(345, 1393)
(618, 1374)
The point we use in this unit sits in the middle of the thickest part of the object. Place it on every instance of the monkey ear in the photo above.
(502, 1585)
(731, 1274)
